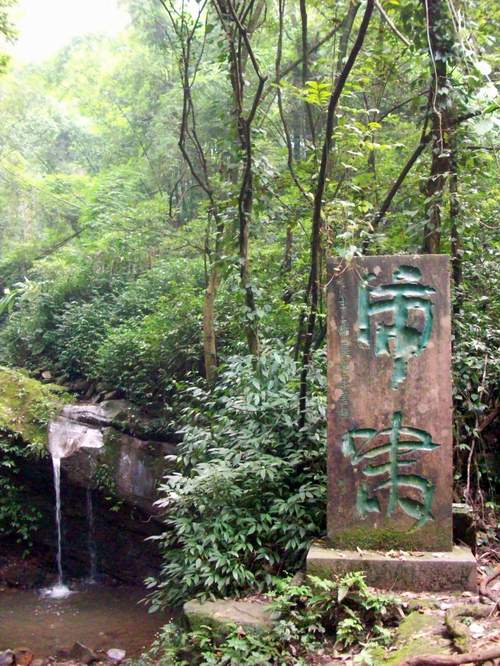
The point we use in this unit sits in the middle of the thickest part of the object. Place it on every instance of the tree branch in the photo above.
(391, 25)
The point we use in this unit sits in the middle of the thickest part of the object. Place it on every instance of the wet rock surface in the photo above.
(82, 654)
(23, 656)
(122, 472)
(121, 531)
(95, 453)
(116, 655)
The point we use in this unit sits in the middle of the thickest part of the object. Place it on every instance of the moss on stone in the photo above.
(417, 635)
(384, 538)
(27, 405)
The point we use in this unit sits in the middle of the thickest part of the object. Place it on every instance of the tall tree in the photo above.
(239, 24)
(439, 44)
(314, 286)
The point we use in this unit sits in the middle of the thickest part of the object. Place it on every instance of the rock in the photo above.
(219, 614)
(80, 386)
(39, 662)
(418, 634)
(105, 413)
(87, 413)
(23, 656)
(66, 436)
(464, 528)
(7, 658)
(116, 655)
(82, 654)
(62, 654)
(47, 375)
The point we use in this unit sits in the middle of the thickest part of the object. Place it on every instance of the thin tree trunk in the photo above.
(317, 217)
(456, 251)
(240, 50)
(305, 67)
(209, 338)
(198, 166)
(439, 49)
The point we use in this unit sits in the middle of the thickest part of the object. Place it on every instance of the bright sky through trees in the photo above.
(44, 27)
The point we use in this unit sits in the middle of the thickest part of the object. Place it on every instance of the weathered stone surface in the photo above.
(432, 572)
(219, 614)
(89, 413)
(390, 409)
(82, 654)
(66, 437)
(134, 467)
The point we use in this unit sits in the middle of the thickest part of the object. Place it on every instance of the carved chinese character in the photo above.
(398, 339)
(365, 444)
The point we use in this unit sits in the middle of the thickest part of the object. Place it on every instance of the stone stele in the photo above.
(389, 404)
(390, 409)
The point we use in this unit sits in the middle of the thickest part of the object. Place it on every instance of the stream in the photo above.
(100, 617)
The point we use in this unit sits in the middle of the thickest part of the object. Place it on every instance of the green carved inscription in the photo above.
(397, 339)
(364, 445)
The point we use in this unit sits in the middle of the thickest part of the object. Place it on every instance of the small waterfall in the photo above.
(65, 438)
(59, 590)
(91, 544)
(56, 464)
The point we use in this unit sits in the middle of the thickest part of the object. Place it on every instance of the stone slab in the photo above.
(422, 572)
(221, 613)
(390, 406)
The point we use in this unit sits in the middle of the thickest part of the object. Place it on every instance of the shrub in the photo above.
(142, 356)
(250, 491)
(320, 615)
(17, 518)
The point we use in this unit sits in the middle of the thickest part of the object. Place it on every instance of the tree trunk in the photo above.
(305, 68)
(240, 51)
(313, 289)
(439, 50)
(456, 251)
(209, 338)
(245, 205)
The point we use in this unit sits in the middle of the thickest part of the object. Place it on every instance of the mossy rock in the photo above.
(417, 635)
(27, 405)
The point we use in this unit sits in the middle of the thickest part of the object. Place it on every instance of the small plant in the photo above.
(319, 616)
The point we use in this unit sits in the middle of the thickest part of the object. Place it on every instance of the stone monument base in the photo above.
(422, 572)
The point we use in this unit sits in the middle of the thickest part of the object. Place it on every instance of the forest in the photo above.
(169, 199)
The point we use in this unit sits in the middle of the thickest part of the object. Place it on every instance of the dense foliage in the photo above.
(250, 491)
(313, 617)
